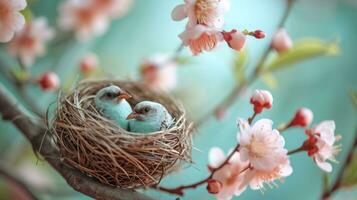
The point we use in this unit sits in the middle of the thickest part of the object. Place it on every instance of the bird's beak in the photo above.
(133, 115)
(124, 95)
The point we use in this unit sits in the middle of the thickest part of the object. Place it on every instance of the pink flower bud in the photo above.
(261, 99)
(89, 63)
(303, 117)
(281, 41)
(220, 113)
(234, 39)
(259, 34)
(214, 186)
(49, 81)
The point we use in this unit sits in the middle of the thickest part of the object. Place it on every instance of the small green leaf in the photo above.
(270, 80)
(20, 75)
(27, 13)
(325, 181)
(183, 60)
(240, 60)
(353, 95)
(350, 175)
(303, 50)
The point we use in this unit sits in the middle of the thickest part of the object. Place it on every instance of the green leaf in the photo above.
(270, 80)
(27, 13)
(353, 95)
(350, 175)
(183, 60)
(303, 50)
(240, 60)
(20, 75)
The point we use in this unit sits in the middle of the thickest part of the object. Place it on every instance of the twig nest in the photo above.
(99, 148)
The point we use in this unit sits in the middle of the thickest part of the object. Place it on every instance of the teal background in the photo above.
(322, 84)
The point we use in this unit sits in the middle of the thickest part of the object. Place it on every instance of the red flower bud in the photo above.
(49, 81)
(303, 117)
(234, 39)
(259, 34)
(261, 99)
(214, 186)
(89, 63)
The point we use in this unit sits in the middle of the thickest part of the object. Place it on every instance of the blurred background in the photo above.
(321, 84)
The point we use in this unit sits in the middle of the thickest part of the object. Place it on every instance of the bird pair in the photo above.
(147, 116)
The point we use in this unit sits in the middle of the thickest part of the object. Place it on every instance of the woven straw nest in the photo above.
(101, 149)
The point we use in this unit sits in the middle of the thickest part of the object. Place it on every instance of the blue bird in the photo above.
(111, 102)
(148, 116)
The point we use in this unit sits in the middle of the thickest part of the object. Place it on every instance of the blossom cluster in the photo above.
(89, 18)
(204, 29)
(261, 157)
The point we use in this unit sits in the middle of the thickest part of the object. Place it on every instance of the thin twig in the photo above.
(6, 174)
(339, 177)
(180, 190)
(239, 89)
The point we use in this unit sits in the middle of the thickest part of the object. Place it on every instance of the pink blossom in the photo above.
(159, 72)
(205, 12)
(114, 8)
(89, 63)
(11, 19)
(81, 17)
(230, 176)
(31, 40)
(234, 39)
(303, 117)
(281, 41)
(261, 99)
(320, 144)
(263, 148)
(201, 38)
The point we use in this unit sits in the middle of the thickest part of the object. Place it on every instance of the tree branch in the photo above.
(4, 172)
(34, 130)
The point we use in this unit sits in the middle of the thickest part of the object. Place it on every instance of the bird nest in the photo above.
(101, 149)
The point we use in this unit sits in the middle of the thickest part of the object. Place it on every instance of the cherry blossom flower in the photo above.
(114, 8)
(263, 148)
(31, 40)
(230, 176)
(159, 72)
(81, 17)
(320, 144)
(234, 39)
(89, 63)
(11, 19)
(201, 38)
(261, 99)
(303, 117)
(281, 41)
(49, 81)
(205, 12)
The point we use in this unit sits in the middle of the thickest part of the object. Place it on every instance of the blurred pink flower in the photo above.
(230, 176)
(201, 38)
(263, 148)
(114, 8)
(81, 17)
(261, 99)
(320, 144)
(89, 63)
(30, 42)
(281, 41)
(205, 12)
(159, 72)
(303, 117)
(11, 19)
(234, 39)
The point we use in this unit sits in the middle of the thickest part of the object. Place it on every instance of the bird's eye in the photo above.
(110, 95)
(146, 109)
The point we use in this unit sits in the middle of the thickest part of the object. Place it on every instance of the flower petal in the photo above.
(179, 12)
(325, 166)
(216, 157)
